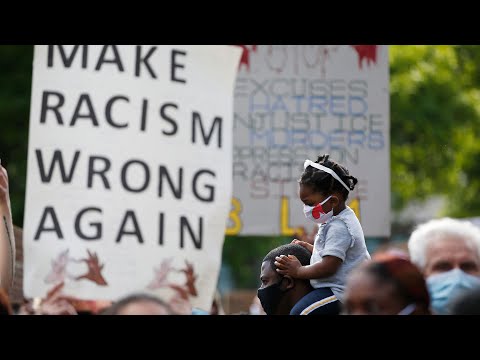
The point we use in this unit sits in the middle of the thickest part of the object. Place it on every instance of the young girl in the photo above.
(339, 245)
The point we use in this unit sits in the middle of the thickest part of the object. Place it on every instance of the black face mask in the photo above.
(270, 297)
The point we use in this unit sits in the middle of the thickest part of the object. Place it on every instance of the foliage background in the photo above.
(435, 118)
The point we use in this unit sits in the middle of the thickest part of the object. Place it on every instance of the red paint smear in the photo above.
(245, 59)
(366, 52)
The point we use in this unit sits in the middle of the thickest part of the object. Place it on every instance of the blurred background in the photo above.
(434, 119)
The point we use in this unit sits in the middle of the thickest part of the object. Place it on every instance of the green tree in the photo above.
(435, 127)
(15, 86)
(435, 117)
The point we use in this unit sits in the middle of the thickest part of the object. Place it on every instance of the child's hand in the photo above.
(287, 265)
(305, 244)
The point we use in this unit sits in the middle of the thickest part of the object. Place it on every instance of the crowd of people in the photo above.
(438, 275)
(330, 272)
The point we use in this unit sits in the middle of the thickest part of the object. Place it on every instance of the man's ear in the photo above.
(289, 282)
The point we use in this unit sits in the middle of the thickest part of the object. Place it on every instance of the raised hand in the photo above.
(4, 191)
(7, 238)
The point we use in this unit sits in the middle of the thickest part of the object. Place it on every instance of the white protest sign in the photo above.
(296, 102)
(129, 175)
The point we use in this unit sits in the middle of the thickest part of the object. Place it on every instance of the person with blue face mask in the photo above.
(448, 253)
(447, 286)
(339, 245)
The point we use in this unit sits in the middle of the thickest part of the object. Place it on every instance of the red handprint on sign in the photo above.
(161, 274)
(94, 272)
(191, 277)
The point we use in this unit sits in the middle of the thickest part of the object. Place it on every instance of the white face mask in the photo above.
(316, 213)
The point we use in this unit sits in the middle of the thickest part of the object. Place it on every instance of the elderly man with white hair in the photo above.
(447, 251)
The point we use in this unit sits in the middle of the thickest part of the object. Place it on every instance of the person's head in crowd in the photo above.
(386, 285)
(467, 303)
(448, 253)
(139, 304)
(279, 293)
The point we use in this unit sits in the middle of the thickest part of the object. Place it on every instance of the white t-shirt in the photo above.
(341, 236)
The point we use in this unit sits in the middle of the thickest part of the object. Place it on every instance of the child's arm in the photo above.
(289, 265)
(338, 241)
(7, 241)
(305, 244)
